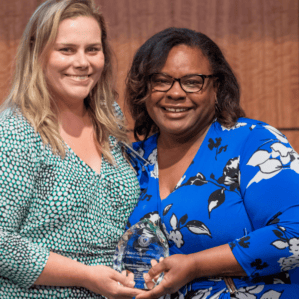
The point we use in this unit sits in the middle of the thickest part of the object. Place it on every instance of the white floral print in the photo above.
(277, 134)
(152, 158)
(236, 126)
(290, 262)
(177, 238)
(272, 163)
(202, 294)
(249, 292)
(153, 217)
(271, 295)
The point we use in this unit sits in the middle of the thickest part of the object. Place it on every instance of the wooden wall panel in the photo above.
(13, 18)
(258, 37)
(293, 137)
(130, 25)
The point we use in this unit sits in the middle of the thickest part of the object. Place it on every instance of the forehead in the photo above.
(183, 60)
(79, 29)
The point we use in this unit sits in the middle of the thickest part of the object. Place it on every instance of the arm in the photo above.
(180, 269)
(269, 178)
(17, 175)
(272, 205)
(62, 271)
(25, 262)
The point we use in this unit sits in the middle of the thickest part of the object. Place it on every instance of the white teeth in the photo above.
(78, 77)
(176, 110)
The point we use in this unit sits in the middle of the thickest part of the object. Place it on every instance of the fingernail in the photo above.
(146, 276)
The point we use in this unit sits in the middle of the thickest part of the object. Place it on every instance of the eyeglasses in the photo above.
(189, 83)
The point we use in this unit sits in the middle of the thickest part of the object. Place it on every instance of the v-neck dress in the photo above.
(52, 204)
(241, 189)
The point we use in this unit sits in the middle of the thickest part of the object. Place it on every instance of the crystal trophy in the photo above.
(140, 244)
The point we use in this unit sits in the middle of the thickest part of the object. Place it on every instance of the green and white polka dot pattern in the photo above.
(53, 204)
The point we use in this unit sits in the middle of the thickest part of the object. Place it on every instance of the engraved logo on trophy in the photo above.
(140, 244)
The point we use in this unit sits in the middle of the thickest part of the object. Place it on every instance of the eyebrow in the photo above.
(74, 45)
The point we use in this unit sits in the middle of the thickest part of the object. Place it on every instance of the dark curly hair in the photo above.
(151, 57)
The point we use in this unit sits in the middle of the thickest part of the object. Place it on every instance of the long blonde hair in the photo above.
(29, 90)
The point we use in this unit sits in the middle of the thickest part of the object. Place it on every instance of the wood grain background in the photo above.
(260, 39)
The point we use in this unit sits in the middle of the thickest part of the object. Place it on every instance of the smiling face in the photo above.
(176, 112)
(75, 61)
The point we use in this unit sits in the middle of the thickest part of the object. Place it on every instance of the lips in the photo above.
(175, 110)
(79, 77)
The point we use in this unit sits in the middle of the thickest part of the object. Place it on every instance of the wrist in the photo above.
(84, 279)
(194, 265)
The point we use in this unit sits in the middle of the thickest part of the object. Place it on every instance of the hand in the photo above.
(150, 282)
(178, 270)
(111, 284)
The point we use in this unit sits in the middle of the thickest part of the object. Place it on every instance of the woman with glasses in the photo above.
(66, 188)
(222, 187)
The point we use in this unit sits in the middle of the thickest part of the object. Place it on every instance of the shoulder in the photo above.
(242, 123)
(251, 137)
(263, 145)
(251, 130)
(146, 148)
(15, 130)
(262, 132)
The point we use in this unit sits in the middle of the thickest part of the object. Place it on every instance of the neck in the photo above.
(171, 141)
(73, 119)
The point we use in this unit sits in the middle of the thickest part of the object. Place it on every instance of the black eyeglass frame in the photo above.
(179, 80)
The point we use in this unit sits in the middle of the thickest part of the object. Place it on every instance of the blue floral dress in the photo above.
(242, 189)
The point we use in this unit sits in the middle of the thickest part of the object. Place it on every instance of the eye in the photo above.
(161, 80)
(94, 49)
(67, 50)
(192, 82)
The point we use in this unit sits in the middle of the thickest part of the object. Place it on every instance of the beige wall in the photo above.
(260, 39)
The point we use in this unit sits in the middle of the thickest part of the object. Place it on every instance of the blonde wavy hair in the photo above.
(30, 92)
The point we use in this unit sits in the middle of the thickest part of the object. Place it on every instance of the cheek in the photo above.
(53, 69)
(57, 61)
(50, 77)
(210, 101)
(99, 62)
(150, 107)
(153, 100)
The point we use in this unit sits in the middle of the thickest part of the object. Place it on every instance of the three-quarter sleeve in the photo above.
(269, 176)
(21, 261)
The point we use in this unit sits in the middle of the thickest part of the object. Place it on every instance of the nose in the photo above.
(81, 60)
(176, 92)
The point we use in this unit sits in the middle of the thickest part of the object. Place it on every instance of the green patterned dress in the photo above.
(59, 205)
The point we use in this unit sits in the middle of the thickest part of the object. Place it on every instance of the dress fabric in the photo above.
(241, 189)
(52, 204)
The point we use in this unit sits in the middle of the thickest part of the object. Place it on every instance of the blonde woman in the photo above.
(66, 189)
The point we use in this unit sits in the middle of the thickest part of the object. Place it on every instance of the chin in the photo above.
(79, 96)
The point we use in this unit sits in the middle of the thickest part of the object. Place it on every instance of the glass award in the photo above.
(140, 244)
